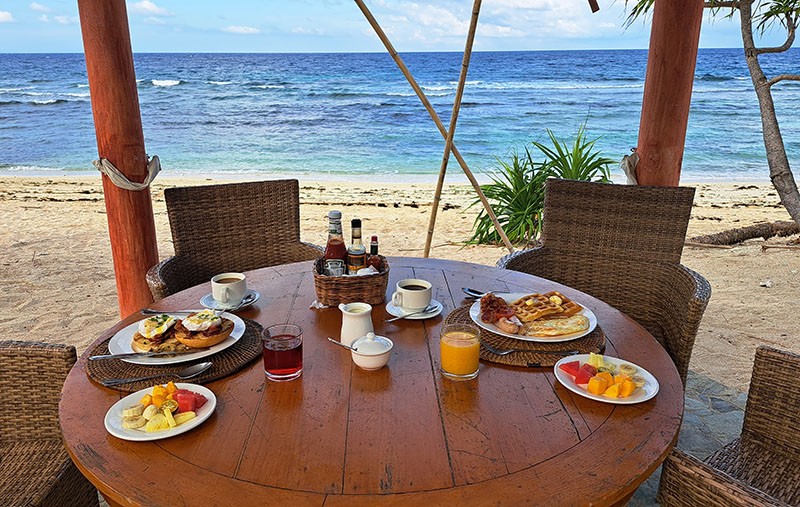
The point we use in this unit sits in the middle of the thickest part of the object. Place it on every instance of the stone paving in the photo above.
(712, 417)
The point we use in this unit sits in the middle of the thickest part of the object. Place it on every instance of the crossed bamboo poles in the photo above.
(449, 133)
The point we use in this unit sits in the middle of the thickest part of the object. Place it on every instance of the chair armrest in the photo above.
(685, 480)
(522, 260)
(316, 249)
(155, 280)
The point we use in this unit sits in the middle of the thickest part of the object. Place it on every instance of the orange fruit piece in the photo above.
(612, 392)
(620, 378)
(608, 377)
(597, 385)
(159, 399)
(171, 387)
(626, 388)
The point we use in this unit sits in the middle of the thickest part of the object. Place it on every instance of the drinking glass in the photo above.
(283, 352)
(459, 345)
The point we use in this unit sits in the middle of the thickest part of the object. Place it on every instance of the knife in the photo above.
(144, 354)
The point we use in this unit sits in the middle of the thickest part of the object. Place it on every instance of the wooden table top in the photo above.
(339, 435)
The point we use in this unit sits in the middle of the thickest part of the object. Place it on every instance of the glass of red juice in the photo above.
(283, 352)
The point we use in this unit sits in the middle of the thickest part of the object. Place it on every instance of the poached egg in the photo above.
(201, 321)
(156, 325)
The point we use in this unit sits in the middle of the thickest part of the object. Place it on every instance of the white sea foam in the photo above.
(86, 85)
(220, 83)
(165, 82)
(267, 86)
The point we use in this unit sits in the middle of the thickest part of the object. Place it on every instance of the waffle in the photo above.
(551, 305)
(568, 306)
(534, 306)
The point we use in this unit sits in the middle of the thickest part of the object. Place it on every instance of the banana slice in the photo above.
(133, 422)
(627, 369)
(150, 412)
(133, 410)
(638, 380)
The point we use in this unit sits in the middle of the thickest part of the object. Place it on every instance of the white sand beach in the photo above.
(58, 278)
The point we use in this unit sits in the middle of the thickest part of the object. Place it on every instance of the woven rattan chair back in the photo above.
(35, 469)
(616, 222)
(773, 402)
(233, 227)
(623, 245)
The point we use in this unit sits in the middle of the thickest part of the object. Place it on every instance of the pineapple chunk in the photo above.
(182, 417)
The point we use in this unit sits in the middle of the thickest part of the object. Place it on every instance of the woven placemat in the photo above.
(533, 356)
(228, 361)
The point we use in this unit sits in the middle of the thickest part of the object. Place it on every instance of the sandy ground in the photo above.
(58, 282)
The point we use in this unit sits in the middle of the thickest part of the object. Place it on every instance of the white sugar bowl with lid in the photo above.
(371, 352)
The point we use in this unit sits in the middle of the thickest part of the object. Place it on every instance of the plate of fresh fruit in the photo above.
(161, 411)
(606, 379)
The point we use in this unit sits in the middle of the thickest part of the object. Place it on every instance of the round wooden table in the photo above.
(401, 435)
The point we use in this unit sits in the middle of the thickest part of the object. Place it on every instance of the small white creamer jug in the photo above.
(356, 321)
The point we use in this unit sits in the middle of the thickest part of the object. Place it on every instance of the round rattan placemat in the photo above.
(228, 361)
(533, 356)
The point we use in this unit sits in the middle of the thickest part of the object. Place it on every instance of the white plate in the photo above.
(475, 315)
(208, 301)
(641, 394)
(120, 343)
(399, 312)
(113, 420)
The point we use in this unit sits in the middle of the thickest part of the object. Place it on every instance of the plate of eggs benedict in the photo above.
(207, 331)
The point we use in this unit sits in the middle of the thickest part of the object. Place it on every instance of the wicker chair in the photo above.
(762, 466)
(35, 469)
(231, 227)
(623, 244)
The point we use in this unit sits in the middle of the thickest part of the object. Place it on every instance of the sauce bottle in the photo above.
(356, 252)
(335, 252)
(373, 259)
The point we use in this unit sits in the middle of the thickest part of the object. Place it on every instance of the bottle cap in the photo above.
(335, 214)
(356, 222)
(374, 238)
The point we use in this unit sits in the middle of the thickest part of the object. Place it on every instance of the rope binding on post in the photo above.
(120, 180)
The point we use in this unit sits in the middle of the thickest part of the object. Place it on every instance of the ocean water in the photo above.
(353, 115)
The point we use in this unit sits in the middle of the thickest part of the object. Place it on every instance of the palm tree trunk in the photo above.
(779, 171)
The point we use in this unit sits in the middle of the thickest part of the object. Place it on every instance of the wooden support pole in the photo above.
(451, 131)
(436, 120)
(674, 38)
(118, 128)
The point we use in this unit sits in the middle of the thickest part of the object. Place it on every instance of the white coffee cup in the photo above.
(228, 289)
(412, 294)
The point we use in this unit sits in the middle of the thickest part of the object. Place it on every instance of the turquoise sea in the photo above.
(353, 115)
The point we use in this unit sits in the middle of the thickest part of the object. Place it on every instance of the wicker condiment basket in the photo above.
(333, 290)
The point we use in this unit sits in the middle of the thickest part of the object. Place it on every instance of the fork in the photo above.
(505, 352)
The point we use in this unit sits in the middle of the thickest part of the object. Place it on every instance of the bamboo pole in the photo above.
(118, 128)
(435, 117)
(462, 79)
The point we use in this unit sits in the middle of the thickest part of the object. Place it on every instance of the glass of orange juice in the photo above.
(459, 345)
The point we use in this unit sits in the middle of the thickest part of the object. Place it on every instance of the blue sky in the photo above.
(338, 25)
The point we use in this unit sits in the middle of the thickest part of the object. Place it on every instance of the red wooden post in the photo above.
(118, 128)
(674, 38)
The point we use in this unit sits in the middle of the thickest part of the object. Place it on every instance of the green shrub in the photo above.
(516, 194)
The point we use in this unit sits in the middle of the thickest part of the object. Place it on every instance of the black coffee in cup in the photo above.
(414, 287)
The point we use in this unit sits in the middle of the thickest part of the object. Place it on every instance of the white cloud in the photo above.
(39, 7)
(66, 20)
(6, 17)
(150, 8)
(242, 30)
(153, 20)
(44, 19)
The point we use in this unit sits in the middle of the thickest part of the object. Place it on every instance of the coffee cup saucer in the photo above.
(397, 311)
(208, 301)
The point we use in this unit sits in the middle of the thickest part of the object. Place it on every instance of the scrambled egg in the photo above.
(156, 325)
(201, 321)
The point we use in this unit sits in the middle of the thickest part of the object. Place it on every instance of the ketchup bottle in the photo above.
(335, 250)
